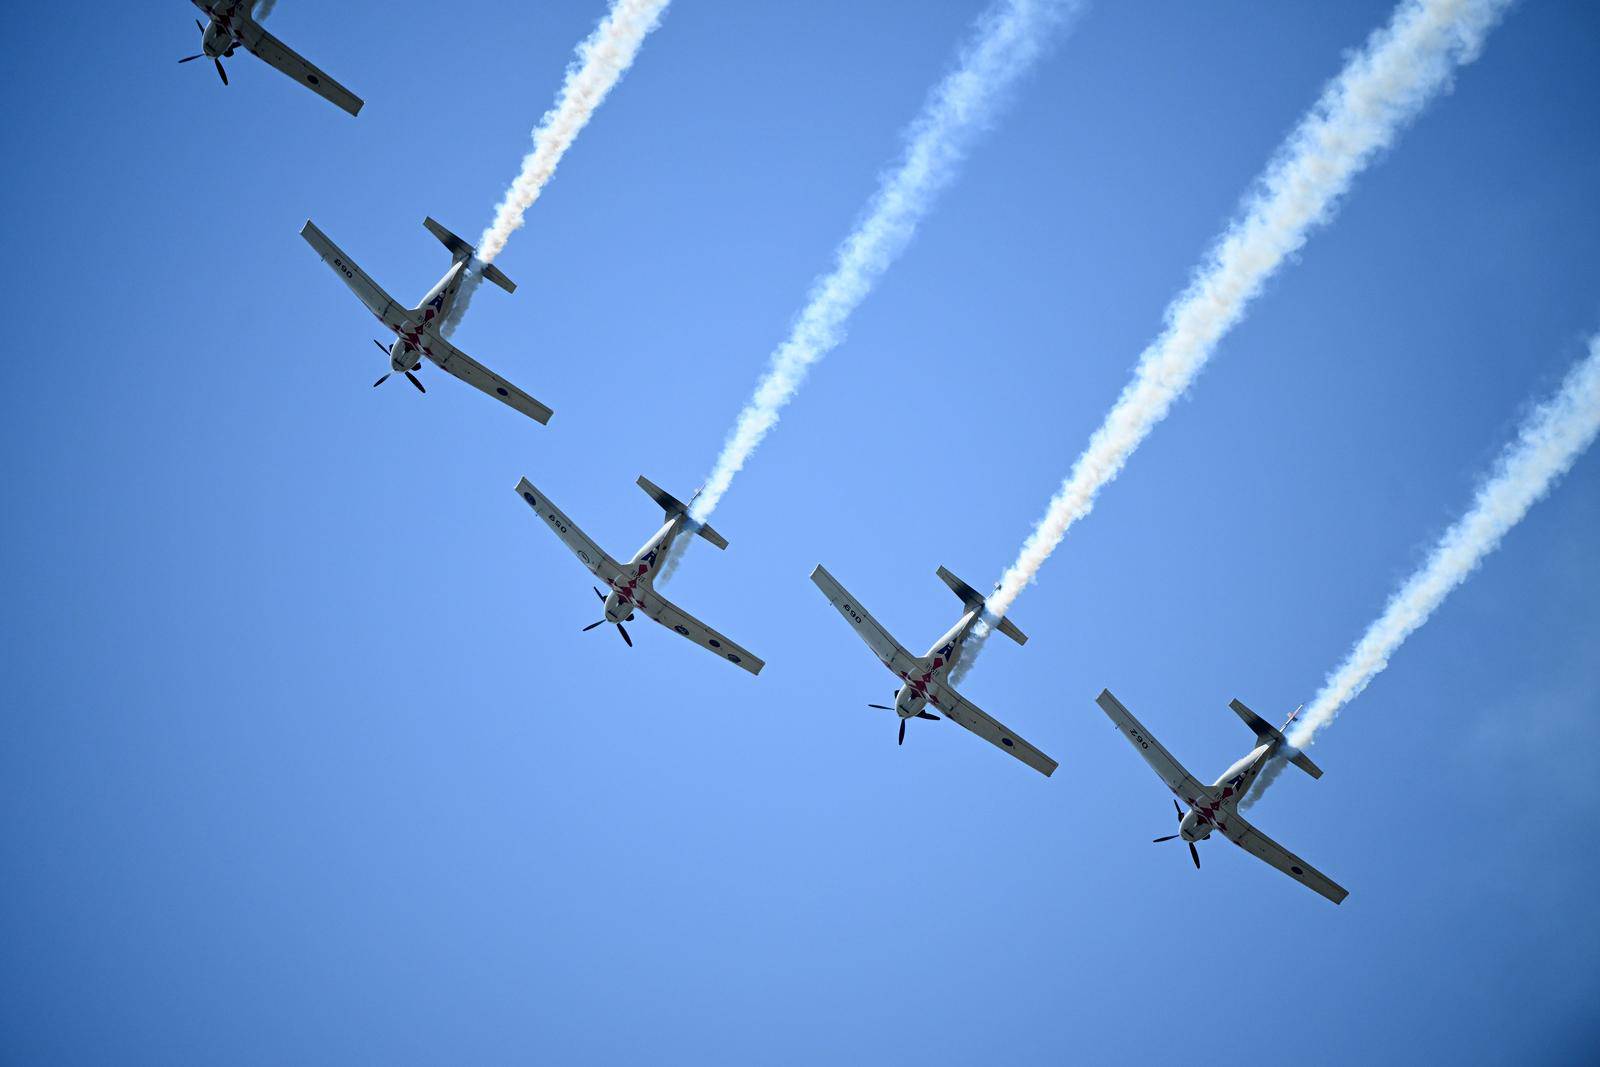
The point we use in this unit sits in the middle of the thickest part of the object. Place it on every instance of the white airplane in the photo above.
(632, 584)
(417, 329)
(1216, 806)
(925, 679)
(232, 25)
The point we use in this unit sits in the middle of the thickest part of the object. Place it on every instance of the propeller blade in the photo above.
(1196, 854)
(220, 72)
(1178, 810)
(412, 378)
(199, 26)
(381, 347)
(380, 381)
(927, 715)
(1169, 837)
(880, 707)
(592, 625)
(624, 632)
(190, 59)
(598, 593)
(902, 733)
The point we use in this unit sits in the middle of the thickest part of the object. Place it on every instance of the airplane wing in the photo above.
(275, 53)
(475, 374)
(1263, 847)
(592, 556)
(367, 291)
(679, 621)
(960, 710)
(893, 654)
(1186, 786)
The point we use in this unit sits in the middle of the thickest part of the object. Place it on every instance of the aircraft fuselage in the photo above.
(1232, 787)
(924, 687)
(412, 339)
(638, 576)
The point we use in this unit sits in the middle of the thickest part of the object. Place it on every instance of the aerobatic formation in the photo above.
(1404, 65)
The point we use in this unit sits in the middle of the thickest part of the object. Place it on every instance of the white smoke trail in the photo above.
(1403, 66)
(602, 59)
(1007, 41)
(1549, 442)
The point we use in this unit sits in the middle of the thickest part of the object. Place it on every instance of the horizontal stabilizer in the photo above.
(460, 250)
(675, 507)
(1271, 735)
(975, 600)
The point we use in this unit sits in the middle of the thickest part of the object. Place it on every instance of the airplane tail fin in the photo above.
(460, 250)
(674, 507)
(1270, 734)
(976, 600)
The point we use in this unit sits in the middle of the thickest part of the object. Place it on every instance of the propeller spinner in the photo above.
(412, 378)
(623, 630)
(1193, 852)
(920, 715)
(201, 55)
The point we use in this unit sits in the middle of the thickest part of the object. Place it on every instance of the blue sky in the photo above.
(306, 759)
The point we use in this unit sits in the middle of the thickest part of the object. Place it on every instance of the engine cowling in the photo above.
(218, 41)
(909, 702)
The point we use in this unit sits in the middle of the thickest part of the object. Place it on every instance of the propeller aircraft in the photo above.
(925, 680)
(232, 25)
(417, 329)
(632, 584)
(1215, 807)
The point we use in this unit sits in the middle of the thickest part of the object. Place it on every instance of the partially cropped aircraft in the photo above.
(925, 680)
(417, 329)
(232, 25)
(632, 584)
(1215, 807)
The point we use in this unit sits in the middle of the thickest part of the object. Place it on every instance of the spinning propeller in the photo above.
(1192, 850)
(920, 715)
(408, 374)
(201, 55)
(620, 628)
